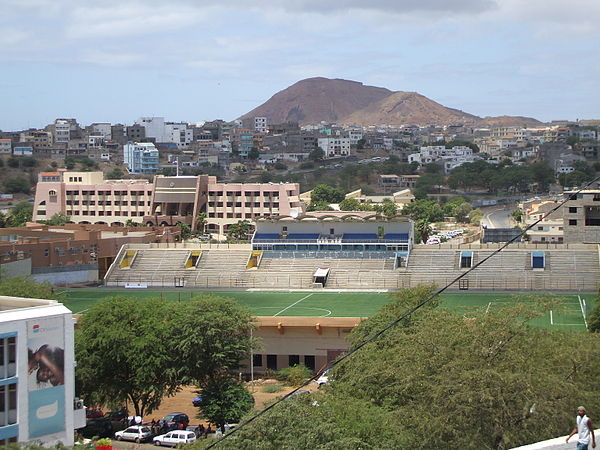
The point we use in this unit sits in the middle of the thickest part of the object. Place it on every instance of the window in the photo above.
(257, 360)
(46, 252)
(573, 209)
(272, 362)
(309, 361)
(293, 360)
(538, 260)
(466, 259)
(572, 221)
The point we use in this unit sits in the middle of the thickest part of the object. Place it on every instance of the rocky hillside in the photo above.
(316, 99)
(313, 100)
(402, 108)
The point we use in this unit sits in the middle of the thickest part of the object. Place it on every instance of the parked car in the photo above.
(227, 426)
(136, 433)
(196, 429)
(206, 236)
(174, 421)
(433, 241)
(116, 416)
(93, 413)
(196, 401)
(101, 427)
(323, 379)
(173, 438)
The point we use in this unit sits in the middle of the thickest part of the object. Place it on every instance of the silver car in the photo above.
(136, 433)
(175, 437)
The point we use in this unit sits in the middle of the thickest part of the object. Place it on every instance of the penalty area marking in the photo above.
(293, 304)
(326, 311)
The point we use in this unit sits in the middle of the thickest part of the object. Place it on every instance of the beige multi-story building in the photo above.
(582, 217)
(86, 197)
(183, 199)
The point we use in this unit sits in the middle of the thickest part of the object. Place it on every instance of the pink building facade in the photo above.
(87, 198)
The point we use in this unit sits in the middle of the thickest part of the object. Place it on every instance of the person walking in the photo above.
(585, 428)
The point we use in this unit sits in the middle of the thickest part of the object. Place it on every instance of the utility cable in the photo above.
(406, 314)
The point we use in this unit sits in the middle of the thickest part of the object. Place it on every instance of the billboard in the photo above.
(46, 379)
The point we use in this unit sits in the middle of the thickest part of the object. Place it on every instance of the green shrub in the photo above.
(294, 375)
(272, 388)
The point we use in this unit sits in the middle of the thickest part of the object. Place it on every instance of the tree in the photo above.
(517, 215)
(316, 155)
(239, 231)
(360, 144)
(387, 207)
(422, 230)
(352, 204)
(462, 211)
(424, 209)
(224, 400)
(279, 166)
(201, 222)
(20, 214)
(326, 193)
(319, 206)
(141, 350)
(223, 343)
(59, 219)
(475, 216)
(441, 380)
(115, 174)
(16, 185)
(186, 230)
(26, 287)
(254, 153)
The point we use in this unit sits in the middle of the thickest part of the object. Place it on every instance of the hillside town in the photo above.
(297, 225)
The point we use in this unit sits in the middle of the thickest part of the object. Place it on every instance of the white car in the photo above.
(323, 379)
(227, 426)
(433, 241)
(136, 433)
(174, 438)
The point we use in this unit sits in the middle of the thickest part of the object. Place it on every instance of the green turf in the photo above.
(344, 304)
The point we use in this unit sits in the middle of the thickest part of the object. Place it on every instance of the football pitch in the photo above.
(570, 314)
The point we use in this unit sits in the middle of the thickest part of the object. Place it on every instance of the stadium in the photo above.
(310, 279)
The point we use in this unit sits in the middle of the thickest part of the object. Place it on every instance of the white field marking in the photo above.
(551, 318)
(487, 310)
(582, 311)
(81, 312)
(293, 304)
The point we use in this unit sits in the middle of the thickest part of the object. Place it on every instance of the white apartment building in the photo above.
(62, 131)
(5, 146)
(103, 129)
(141, 157)
(154, 126)
(178, 133)
(334, 146)
(355, 136)
(37, 399)
(260, 125)
(449, 157)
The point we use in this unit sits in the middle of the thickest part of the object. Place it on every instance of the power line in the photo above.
(406, 314)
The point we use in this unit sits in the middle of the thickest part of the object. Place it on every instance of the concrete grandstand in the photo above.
(360, 252)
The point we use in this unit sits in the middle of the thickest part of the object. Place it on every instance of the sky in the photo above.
(194, 60)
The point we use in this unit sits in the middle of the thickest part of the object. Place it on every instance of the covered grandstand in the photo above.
(358, 254)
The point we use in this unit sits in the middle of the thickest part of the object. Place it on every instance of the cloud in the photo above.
(129, 20)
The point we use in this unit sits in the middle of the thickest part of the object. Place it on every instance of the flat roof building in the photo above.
(37, 404)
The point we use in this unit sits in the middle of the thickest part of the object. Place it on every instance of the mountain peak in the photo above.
(317, 99)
